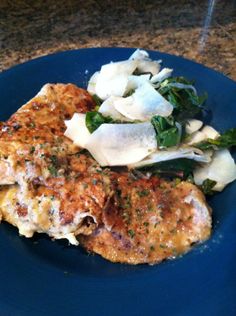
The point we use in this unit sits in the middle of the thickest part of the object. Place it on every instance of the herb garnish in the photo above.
(163, 246)
(32, 150)
(53, 170)
(144, 192)
(131, 233)
(53, 166)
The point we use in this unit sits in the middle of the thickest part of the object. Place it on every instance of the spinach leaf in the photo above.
(181, 168)
(94, 119)
(167, 132)
(207, 186)
(97, 100)
(226, 140)
(187, 104)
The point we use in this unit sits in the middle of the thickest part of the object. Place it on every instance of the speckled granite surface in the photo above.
(204, 31)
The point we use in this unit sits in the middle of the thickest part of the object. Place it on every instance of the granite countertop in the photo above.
(204, 31)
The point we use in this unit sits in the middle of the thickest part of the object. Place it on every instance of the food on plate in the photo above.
(45, 185)
(121, 168)
(152, 123)
(149, 220)
(50, 185)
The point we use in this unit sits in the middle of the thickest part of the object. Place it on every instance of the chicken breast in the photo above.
(51, 186)
(149, 220)
(46, 185)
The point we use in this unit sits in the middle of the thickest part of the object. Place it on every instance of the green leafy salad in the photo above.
(147, 119)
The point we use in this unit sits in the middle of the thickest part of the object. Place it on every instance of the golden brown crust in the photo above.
(43, 116)
(149, 221)
(35, 154)
(62, 191)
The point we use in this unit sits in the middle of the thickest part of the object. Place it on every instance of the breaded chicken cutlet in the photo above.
(49, 185)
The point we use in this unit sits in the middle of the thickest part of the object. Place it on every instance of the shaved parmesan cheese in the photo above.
(205, 133)
(92, 83)
(164, 155)
(107, 109)
(122, 144)
(148, 66)
(144, 63)
(77, 130)
(126, 67)
(163, 74)
(135, 82)
(193, 125)
(221, 169)
(115, 86)
(196, 137)
(210, 132)
(143, 104)
(113, 78)
(139, 54)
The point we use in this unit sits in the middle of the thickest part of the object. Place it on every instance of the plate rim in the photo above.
(151, 271)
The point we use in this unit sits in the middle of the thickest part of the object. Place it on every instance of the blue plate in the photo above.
(41, 277)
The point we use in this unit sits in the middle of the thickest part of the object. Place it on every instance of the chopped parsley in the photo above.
(163, 246)
(32, 150)
(144, 192)
(53, 166)
(131, 233)
(152, 248)
(53, 170)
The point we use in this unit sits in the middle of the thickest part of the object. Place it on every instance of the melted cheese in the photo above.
(43, 215)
